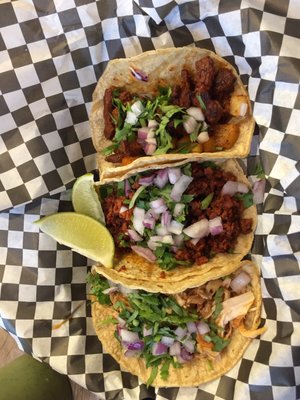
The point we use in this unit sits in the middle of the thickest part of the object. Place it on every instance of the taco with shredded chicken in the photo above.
(175, 226)
(168, 105)
(181, 339)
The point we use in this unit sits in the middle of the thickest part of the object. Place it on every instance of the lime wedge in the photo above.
(83, 234)
(85, 198)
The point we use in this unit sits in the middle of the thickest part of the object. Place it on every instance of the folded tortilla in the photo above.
(136, 272)
(199, 370)
(163, 68)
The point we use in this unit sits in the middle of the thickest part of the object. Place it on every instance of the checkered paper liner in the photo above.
(51, 55)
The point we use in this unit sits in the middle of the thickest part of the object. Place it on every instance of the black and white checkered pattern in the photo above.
(51, 55)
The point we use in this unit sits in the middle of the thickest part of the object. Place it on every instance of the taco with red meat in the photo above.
(181, 339)
(168, 105)
(175, 226)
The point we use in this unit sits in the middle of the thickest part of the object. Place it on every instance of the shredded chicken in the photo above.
(213, 286)
(235, 307)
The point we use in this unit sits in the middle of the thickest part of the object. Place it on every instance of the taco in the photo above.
(173, 226)
(168, 105)
(182, 339)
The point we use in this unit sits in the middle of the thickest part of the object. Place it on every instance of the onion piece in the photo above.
(122, 322)
(178, 239)
(202, 327)
(259, 191)
(127, 187)
(152, 124)
(166, 218)
(137, 108)
(138, 345)
(128, 336)
(195, 241)
(142, 134)
(133, 235)
(180, 332)
(191, 327)
(110, 290)
(197, 230)
(131, 118)
(175, 227)
(233, 187)
(203, 137)
(189, 345)
(146, 180)
(179, 207)
(189, 124)
(240, 281)
(138, 74)
(167, 340)
(149, 222)
(132, 353)
(138, 218)
(215, 226)
(184, 356)
(161, 178)
(175, 349)
(180, 186)
(167, 239)
(196, 112)
(149, 148)
(161, 230)
(154, 242)
(174, 174)
(147, 331)
(123, 209)
(159, 348)
(144, 252)
(158, 205)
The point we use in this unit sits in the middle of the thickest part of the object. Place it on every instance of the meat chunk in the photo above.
(204, 74)
(213, 112)
(185, 92)
(109, 127)
(223, 83)
(246, 225)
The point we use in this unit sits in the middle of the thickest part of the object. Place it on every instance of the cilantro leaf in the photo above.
(246, 198)
(259, 171)
(206, 201)
(97, 287)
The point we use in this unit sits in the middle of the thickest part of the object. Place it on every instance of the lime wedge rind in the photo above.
(82, 234)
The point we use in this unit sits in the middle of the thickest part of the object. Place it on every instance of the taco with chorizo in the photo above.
(181, 339)
(174, 225)
(168, 105)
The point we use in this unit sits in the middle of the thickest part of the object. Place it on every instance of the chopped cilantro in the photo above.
(259, 171)
(246, 198)
(193, 136)
(206, 201)
(201, 102)
(97, 287)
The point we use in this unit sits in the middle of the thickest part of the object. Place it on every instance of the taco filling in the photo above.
(168, 331)
(178, 215)
(198, 115)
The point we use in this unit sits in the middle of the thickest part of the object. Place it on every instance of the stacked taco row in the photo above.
(179, 306)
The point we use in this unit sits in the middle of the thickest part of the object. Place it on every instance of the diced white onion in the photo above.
(137, 108)
(131, 118)
(242, 187)
(196, 112)
(138, 218)
(197, 230)
(233, 187)
(215, 226)
(203, 137)
(180, 186)
(161, 178)
(243, 109)
(175, 227)
(168, 341)
(189, 345)
(179, 207)
(159, 348)
(202, 327)
(152, 124)
(162, 230)
(175, 349)
(174, 174)
(167, 239)
(191, 327)
(144, 252)
(180, 332)
(134, 235)
(123, 209)
(189, 124)
(147, 331)
(128, 336)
